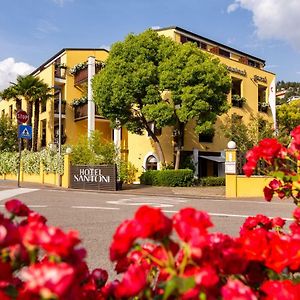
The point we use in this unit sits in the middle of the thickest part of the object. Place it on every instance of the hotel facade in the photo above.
(69, 114)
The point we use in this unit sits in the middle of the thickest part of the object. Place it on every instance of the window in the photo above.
(43, 133)
(206, 137)
(261, 93)
(225, 53)
(236, 86)
(151, 163)
(253, 63)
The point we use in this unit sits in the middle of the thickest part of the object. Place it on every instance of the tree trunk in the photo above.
(180, 136)
(18, 104)
(157, 146)
(29, 122)
(36, 125)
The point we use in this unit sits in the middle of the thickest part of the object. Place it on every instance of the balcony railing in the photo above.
(56, 107)
(82, 75)
(81, 112)
(60, 72)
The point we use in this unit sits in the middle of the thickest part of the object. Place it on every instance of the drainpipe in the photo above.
(91, 103)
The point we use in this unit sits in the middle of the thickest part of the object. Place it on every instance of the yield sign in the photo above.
(24, 132)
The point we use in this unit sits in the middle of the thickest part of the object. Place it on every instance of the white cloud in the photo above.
(274, 19)
(10, 69)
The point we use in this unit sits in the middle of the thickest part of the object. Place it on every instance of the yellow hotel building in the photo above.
(249, 80)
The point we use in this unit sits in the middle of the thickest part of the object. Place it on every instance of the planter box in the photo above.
(82, 75)
(237, 103)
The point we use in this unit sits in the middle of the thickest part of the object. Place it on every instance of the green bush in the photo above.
(9, 162)
(182, 177)
(126, 171)
(93, 151)
(211, 181)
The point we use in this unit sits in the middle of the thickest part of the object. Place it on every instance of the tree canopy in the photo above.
(8, 135)
(288, 117)
(131, 88)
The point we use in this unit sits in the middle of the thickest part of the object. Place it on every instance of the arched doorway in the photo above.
(151, 163)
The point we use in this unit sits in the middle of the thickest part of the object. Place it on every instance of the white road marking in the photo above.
(148, 201)
(96, 207)
(31, 206)
(14, 192)
(226, 215)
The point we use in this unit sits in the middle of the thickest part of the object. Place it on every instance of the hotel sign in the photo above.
(236, 71)
(102, 177)
(261, 79)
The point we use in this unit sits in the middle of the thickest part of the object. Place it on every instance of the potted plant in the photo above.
(237, 100)
(263, 106)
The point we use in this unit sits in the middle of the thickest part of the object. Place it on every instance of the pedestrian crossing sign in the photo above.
(24, 132)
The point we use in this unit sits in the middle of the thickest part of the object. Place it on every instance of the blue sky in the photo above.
(31, 31)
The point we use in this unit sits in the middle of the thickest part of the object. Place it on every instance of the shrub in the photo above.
(126, 171)
(182, 177)
(93, 151)
(211, 181)
(9, 162)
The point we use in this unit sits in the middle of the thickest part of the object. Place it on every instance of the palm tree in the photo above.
(10, 93)
(32, 90)
(43, 93)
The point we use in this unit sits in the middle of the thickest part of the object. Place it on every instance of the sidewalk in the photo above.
(136, 189)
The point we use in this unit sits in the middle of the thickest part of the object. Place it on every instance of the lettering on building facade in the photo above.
(236, 71)
(102, 177)
(261, 79)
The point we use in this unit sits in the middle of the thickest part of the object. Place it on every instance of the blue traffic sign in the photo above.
(24, 132)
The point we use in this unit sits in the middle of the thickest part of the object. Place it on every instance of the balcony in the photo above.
(81, 112)
(56, 107)
(60, 71)
(263, 107)
(80, 71)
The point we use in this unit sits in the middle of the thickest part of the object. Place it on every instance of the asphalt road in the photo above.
(96, 215)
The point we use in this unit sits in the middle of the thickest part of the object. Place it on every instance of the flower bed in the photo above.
(159, 257)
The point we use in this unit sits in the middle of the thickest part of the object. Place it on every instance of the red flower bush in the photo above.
(283, 164)
(158, 257)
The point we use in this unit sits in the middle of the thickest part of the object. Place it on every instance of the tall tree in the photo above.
(288, 117)
(139, 70)
(32, 90)
(199, 85)
(130, 81)
(43, 93)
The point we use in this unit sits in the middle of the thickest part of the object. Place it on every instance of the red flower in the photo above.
(268, 193)
(235, 289)
(153, 223)
(133, 282)
(57, 242)
(48, 279)
(270, 148)
(281, 290)
(275, 184)
(17, 208)
(278, 222)
(99, 277)
(123, 239)
(191, 224)
(296, 214)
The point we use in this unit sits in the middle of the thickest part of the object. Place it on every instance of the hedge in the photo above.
(211, 181)
(182, 177)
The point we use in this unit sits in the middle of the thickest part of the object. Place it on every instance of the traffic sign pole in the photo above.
(19, 164)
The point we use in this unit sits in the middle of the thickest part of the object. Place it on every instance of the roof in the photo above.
(209, 41)
(41, 67)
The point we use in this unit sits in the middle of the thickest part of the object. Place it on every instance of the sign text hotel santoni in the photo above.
(91, 175)
(102, 177)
